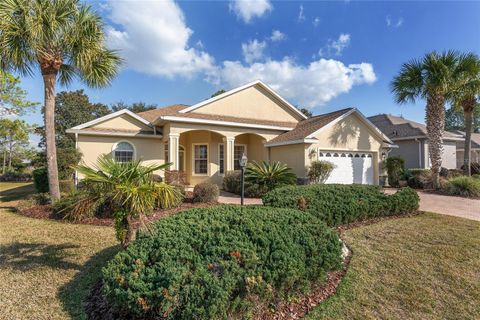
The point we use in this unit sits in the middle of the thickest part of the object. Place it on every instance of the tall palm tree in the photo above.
(63, 39)
(467, 89)
(429, 78)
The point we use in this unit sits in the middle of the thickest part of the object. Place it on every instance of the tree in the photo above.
(13, 99)
(429, 78)
(217, 93)
(72, 108)
(467, 88)
(63, 39)
(455, 120)
(130, 190)
(13, 133)
(135, 107)
(306, 112)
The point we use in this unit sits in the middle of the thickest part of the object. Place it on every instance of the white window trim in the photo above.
(246, 151)
(219, 167)
(193, 160)
(129, 142)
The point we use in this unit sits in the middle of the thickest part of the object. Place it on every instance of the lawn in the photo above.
(423, 267)
(11, 191)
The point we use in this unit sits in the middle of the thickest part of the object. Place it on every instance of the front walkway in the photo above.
(230, 198)
(449, 205)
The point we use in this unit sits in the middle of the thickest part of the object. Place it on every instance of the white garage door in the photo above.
(350, 167)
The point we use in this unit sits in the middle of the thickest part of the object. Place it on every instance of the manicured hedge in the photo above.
(339, 204)
(219, 262)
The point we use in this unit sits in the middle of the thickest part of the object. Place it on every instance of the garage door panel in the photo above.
(350, 167)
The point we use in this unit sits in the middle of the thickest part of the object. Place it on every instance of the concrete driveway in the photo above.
(453, 206)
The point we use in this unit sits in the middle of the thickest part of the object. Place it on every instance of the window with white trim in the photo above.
(166, 153)
(238, 151)
(123, 152)
(221, 158)
(200, 159)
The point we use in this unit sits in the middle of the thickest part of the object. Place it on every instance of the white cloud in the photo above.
(316, 21)
(248, 9)
(152, 37)
(391, 23)
(312, 85)
(301, 15)
(335, 47)
(253, 50)
(277, 35)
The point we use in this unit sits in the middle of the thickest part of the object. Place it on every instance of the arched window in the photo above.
(123, 152)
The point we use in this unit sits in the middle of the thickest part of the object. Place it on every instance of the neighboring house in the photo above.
(208, 139)
(411, 139)
(474, 151)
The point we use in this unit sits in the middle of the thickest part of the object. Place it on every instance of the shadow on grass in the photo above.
(18, 193)
(27, 256)
(73, 294)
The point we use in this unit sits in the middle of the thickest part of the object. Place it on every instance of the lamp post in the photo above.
(243, 164)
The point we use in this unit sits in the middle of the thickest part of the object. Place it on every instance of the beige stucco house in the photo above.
(207, 139)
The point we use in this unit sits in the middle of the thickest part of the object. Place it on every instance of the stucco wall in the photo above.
(449, 159)
(123, 121)
(253, 102)
(411, 151)
(293, 155)
(149, 150)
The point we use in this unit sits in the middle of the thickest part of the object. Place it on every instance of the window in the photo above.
(200, 159)
(123, 152)
(221, 158)
(166, 153)
(238, 152)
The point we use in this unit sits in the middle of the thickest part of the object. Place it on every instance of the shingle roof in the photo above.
(306, 127)
(153, 115)
(397, 127)
(475, 140)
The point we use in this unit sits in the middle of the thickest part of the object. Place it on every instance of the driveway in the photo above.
(230, 198)
(453, 206)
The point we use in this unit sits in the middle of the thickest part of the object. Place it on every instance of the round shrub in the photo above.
(319, 171)
(205, 192)
(395, 167)
(339, 204)
(219, 262)
(40, 179)
(419, 178)
(232, 181)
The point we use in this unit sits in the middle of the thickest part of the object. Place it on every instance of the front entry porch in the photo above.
(205, 155)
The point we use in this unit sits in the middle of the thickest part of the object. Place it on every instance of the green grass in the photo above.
(47, 267)
(12, 191)
(425, 267)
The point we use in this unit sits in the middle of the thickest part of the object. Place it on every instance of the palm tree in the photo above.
(128, 188)
(467, 81)
(64, 40)
(269, 175)
(429, 78)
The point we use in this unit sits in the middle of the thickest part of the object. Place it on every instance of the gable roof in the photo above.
(111, 116)
(305, 130)
(248, 85)
(173, 113)
(398, 128)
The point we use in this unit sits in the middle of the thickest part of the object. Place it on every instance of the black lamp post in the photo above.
(243, 164)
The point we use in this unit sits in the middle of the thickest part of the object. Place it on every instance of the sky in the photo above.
(322, 55)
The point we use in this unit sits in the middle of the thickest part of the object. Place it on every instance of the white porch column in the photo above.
(229, 156)
(173, 150)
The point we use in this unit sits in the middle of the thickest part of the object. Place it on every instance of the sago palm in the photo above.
(130, 190)
(269, 174)
(63, 39)
(466, 91)
(429, 78)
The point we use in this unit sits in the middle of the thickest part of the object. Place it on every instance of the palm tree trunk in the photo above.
(468, 106)
(130, 231)
(435, 125)
(49, 84)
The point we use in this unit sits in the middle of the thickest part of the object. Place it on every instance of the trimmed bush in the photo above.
(319, 171)
(419, 178)
(463, 186)
(40, 179)
(395, 168)
(205, 192)
(232, 182)
(340, 204)
(219, 262)
(13, 176)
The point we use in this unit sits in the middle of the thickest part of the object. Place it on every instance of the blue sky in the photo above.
(323, 55)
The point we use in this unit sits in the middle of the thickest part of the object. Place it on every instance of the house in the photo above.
(411, 139)
(207, 139)
(474, 148)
